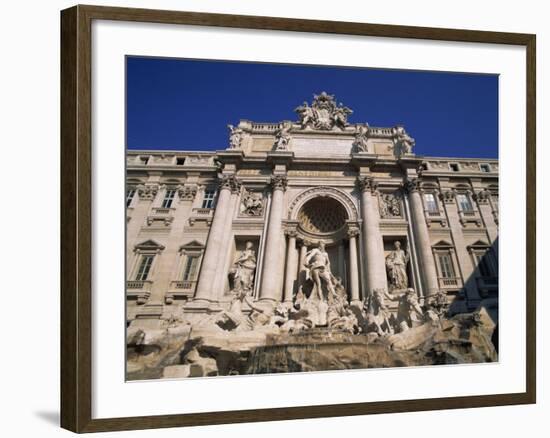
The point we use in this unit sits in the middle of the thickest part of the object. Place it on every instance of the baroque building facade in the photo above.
(295, 208)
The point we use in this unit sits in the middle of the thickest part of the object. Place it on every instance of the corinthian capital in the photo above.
(447, 196)
(187, 192)
(230, 182)
(147, 192)
(367, 183)
(279, 182)
(411, 185)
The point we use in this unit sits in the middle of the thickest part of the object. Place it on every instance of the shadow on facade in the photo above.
(481, 288)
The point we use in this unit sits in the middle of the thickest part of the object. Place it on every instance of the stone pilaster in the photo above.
(488, 213)
(145, 194)
(273, 265)
(291, 266)
(373, 260)
(216, 240)
(422, 237)
(353, 268)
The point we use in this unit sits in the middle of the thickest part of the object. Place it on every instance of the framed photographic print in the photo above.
(268, 218)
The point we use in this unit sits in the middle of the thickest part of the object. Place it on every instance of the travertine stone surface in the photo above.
(309, 244)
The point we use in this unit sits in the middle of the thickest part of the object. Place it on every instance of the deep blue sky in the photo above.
(186, 104)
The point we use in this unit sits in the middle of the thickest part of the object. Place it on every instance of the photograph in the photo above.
(291, 218)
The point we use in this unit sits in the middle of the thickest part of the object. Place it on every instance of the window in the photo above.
(191, 267)
(168, 198)
(464, 202)
(180, 161)
(431, 203)
(485, 167)
(144, 267)
(446, 265)
(454, 167)
(130, 196)
(208, 200)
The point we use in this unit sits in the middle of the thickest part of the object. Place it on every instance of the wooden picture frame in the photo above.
(76, 217)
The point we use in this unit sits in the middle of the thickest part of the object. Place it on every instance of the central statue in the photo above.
(318, 264)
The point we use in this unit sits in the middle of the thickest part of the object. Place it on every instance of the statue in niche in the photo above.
(318, 265)
(396, 264)
(282, 137)
(235, 137)
(252, 204)
(390, 205)
(360, 142)
(243, 270)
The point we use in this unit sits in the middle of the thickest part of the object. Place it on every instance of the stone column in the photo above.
(216, 240)
(375, 268)
(224, 256)
(423, 244)
(342, 263)
(353, 268)
(302, 258)
(291, 266)
(273, 263)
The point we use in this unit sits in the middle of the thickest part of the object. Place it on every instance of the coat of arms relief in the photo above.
(324, 113)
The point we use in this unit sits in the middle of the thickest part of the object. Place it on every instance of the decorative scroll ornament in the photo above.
(147, 192)
(367, 183)
(235, 137)
(282, 137)
(324, 113)
(279, 182)
(187, 192)
(403, 141)
(361, 137)
(252, 204)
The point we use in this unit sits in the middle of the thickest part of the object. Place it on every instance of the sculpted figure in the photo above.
(243, 269)
(235, 137)
(305, 112)
(340, 115)
(360, 142)
(389, 206)
(378, 314)
(396, 264)
(405, 141)
(318, 264)
(410, 313)
(252, 204)
(282, 137)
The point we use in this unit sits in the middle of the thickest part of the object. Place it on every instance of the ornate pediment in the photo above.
(149, 245)
(194, 244)
(324, 113)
